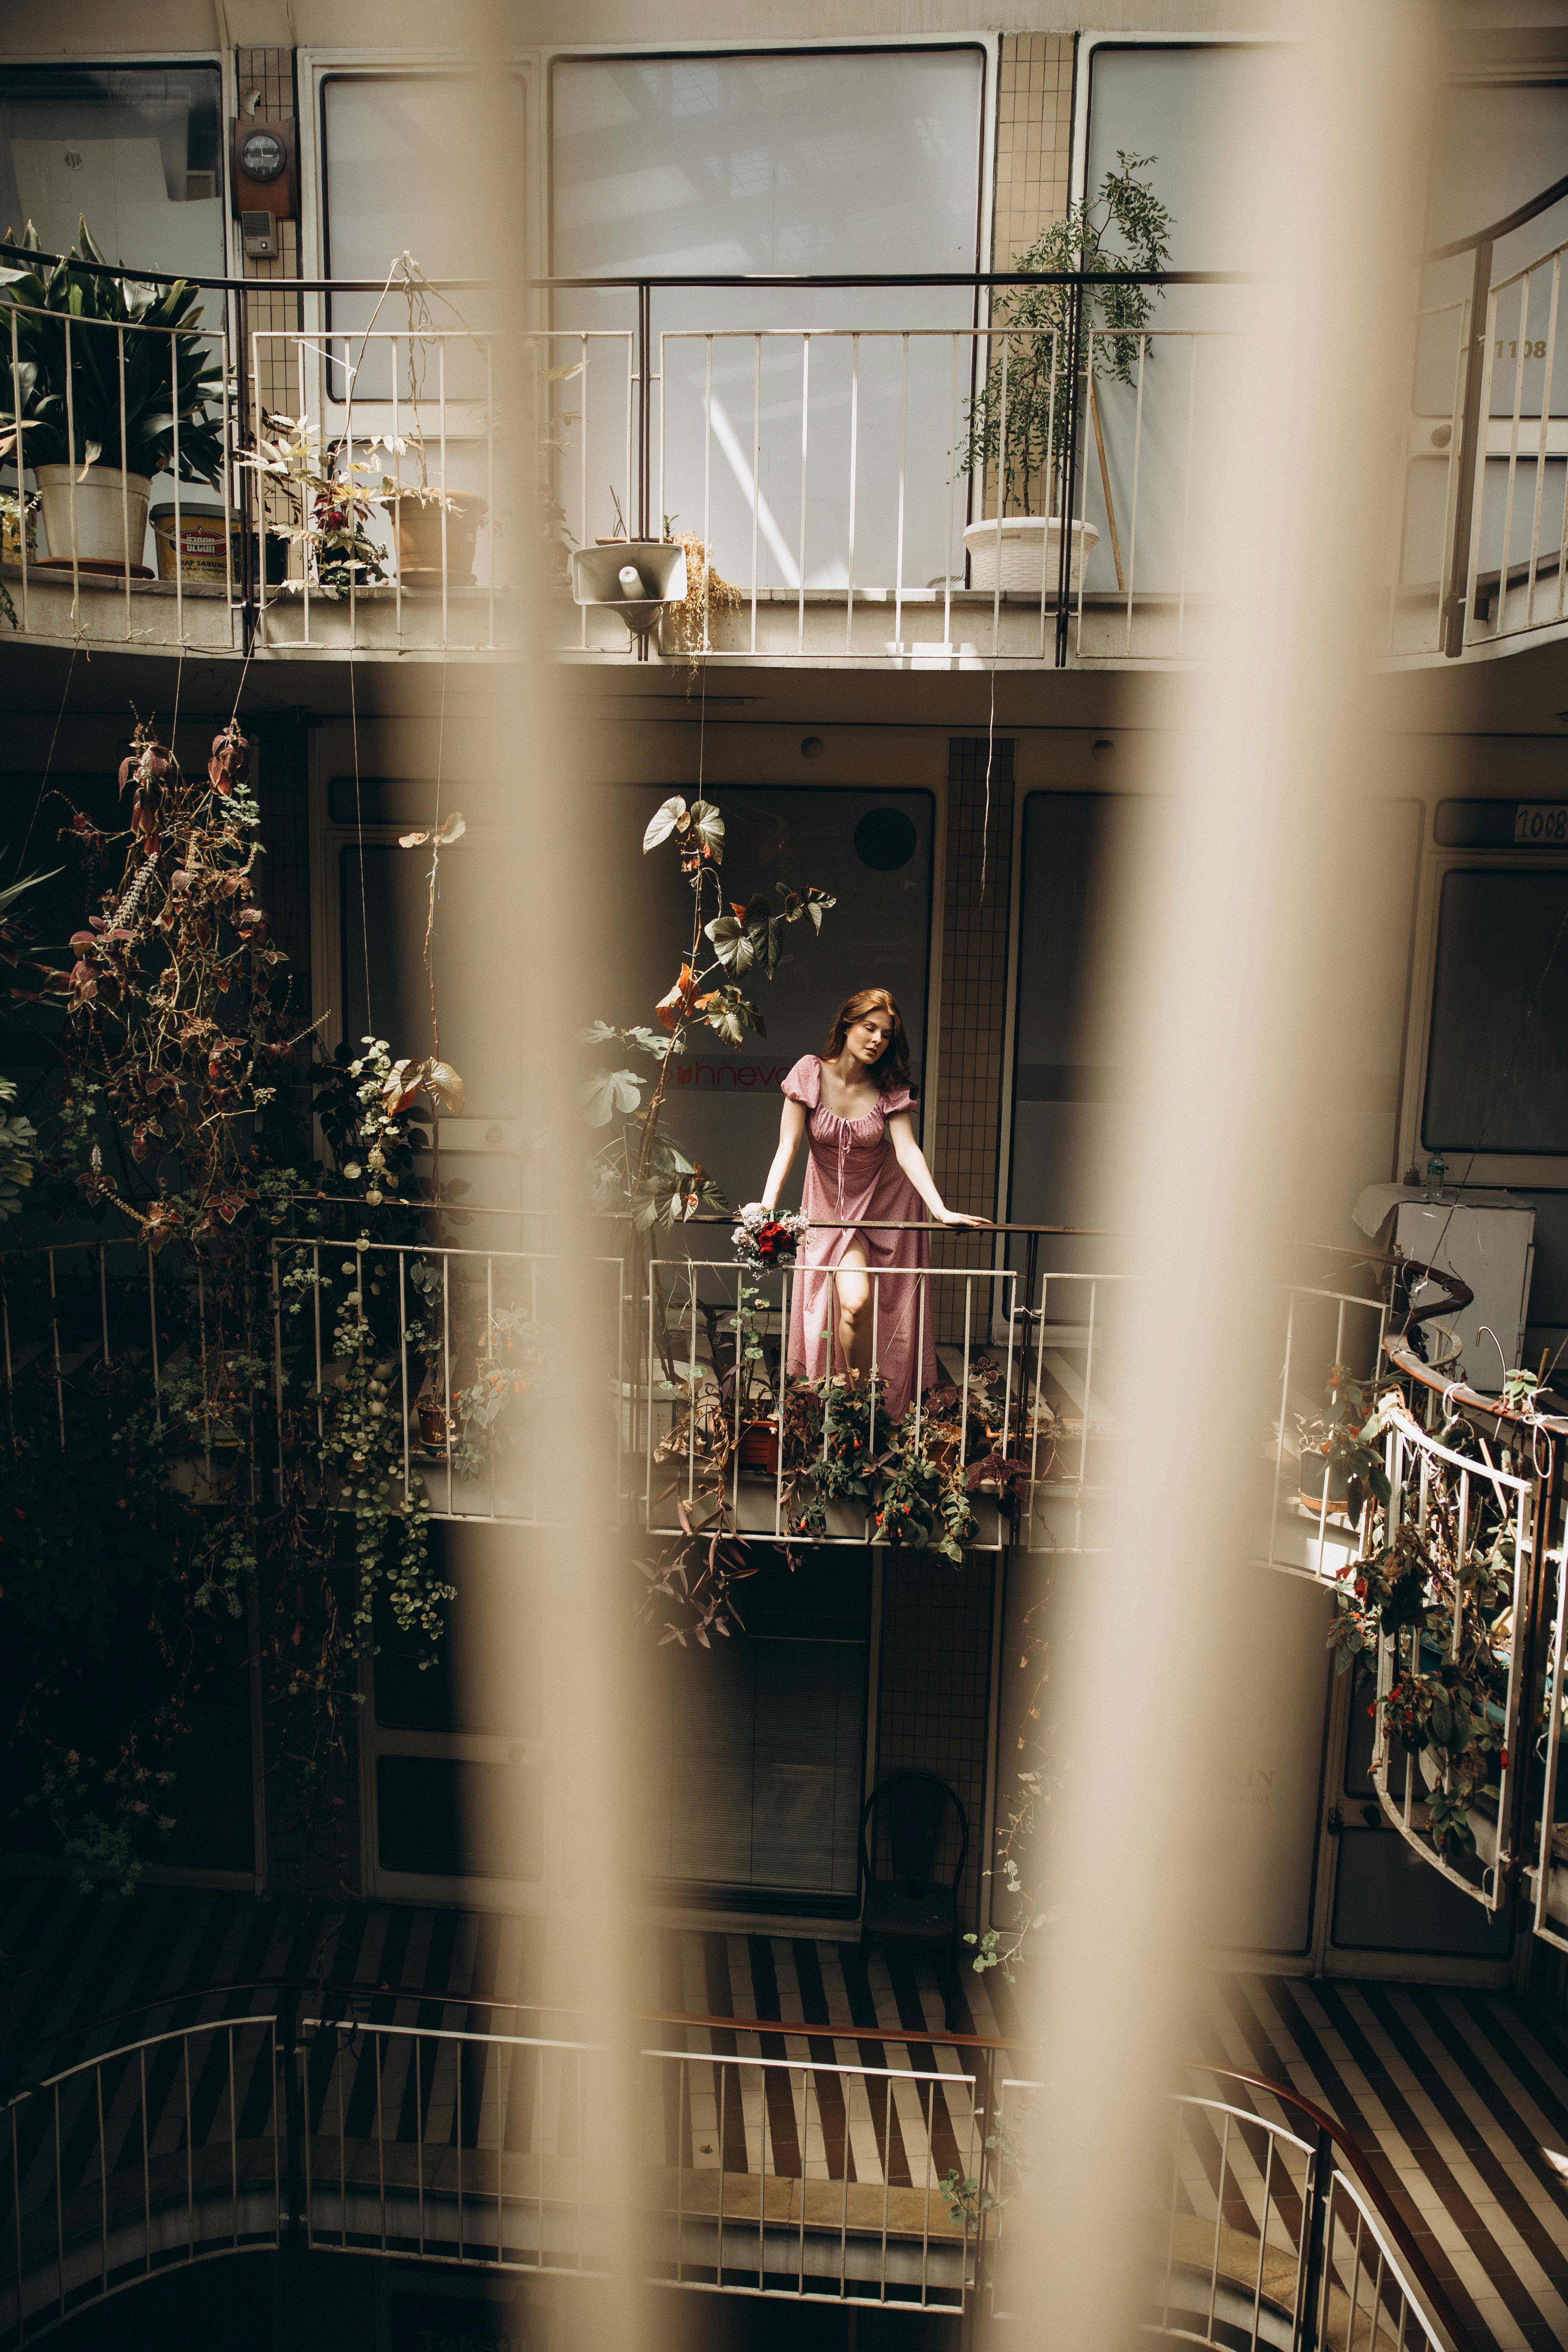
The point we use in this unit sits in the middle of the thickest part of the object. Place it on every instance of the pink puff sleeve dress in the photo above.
(852, 1172)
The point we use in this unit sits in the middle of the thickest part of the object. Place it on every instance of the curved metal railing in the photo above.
(769, 2175)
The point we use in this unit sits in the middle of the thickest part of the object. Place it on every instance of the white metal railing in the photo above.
(857, 432)
(464, 1348)
(437, 431)
(458, 2146)
(74, 1311)
(1518, 532)
(1019, 1416)
(1544, 1739)
(1480, 518)
(168, 2150)
(1265, 2237)
(820, 2180)
(1455, 1503)
(97, 537)
(1326, 1331)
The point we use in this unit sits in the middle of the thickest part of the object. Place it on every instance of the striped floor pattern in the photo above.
(1460, 2099)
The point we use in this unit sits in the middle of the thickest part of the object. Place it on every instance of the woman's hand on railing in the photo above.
(959, 1217)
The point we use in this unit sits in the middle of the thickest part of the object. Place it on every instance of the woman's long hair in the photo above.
(893, 1070)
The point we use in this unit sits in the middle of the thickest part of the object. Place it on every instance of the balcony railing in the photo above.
(821, 463)
(767, 2175)
(464, 1343)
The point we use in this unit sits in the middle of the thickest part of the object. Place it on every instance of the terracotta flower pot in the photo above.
(416, 527)
(759, 1448)
(433, 1424)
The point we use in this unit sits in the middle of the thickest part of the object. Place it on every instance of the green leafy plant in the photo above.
(640, 1171)
(18, 1138)
(17, 534)
(327, 496)
(1022, 1807)
(107, 1818)
(66, 403)
(1342, 1447)
(138, 1524)
(1455, 1562)
(920, 1506)
(1020, 413)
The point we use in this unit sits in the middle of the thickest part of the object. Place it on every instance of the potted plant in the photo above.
(329, 495)
(761, 1241)
(1018, 420)
(427, 523)
(1342, 1458)
(95, 431)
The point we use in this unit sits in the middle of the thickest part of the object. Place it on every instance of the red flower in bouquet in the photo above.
(775, 1244)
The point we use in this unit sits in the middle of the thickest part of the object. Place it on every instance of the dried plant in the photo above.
(691, 623)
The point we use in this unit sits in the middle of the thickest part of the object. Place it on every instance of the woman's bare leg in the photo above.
(852, 1299)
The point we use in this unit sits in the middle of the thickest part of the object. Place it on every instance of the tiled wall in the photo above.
(268, 75)
(936, 1620)
(977, 884)
(1034, 134)
(934, 1680)
(1034, 142)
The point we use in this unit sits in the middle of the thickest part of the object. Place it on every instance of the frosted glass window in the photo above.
(1497, 1069)
(824, 162)
(406, 170)
(135, 148)
(1201, 114)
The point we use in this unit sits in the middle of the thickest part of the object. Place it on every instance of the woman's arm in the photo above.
(912, 1161)
(792, 1127)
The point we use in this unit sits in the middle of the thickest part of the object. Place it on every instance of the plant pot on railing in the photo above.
(758, 1452)
(95, 516)
(1031, 554)
(416, 529)
(1319, 1473)
(435, 1423)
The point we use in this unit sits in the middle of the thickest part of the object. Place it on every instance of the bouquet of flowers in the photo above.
(762, 1238)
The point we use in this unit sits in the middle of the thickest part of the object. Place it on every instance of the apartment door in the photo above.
(757, 1746)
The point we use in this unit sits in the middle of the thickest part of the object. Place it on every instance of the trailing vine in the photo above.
(144, 1519)
(1437, 1589)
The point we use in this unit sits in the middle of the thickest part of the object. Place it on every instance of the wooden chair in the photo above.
(911, 1906)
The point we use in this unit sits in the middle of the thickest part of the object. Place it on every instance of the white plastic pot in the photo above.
(1031, 553)
(109, 512)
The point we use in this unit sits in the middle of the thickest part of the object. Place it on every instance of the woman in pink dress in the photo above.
(852, 1104)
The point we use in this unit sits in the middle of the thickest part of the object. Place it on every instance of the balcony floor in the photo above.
(1460, 2098)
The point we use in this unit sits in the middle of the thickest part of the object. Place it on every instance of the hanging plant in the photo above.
(640, 1171)
(171, 1117)
(1409, 1587)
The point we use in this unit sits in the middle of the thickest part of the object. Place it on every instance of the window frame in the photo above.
(1092, 40)
(188, 54)
(987, 44)
(1486, 1170)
